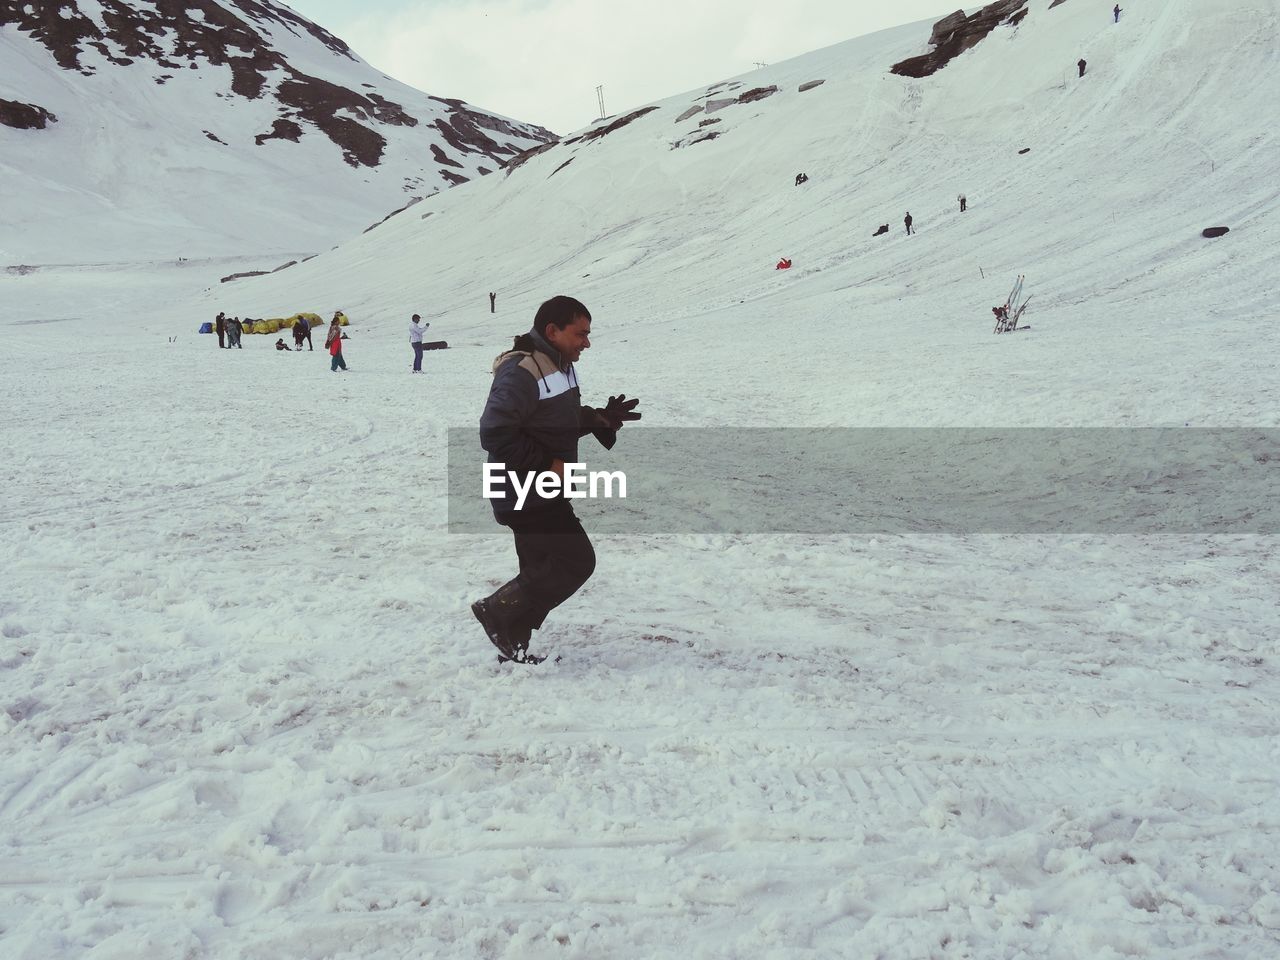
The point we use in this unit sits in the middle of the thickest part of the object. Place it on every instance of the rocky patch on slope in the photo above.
(25, 116)
(954, 34)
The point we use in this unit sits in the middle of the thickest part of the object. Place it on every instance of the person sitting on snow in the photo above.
(281, 345)
(801, 178)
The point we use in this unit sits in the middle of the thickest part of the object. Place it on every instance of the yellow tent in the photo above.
(276, 324)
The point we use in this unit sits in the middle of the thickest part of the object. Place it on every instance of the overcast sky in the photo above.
(540, 60)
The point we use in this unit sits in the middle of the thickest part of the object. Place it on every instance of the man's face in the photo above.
(570, 340)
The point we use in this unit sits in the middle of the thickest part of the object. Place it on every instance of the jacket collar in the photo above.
(544, 347)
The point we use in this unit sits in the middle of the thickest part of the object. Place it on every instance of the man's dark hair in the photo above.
(559, 312)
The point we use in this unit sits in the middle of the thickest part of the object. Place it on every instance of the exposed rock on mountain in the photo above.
(956, 33)
(25, 116)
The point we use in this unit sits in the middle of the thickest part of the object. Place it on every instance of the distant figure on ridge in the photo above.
(907, 222)
(1116, 11)
(493, 298)
(964, 204)
(1081, 64)
(801, 178)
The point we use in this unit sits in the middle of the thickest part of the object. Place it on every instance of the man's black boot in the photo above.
(504, 616)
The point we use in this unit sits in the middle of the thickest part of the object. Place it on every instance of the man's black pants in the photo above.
(556, 558)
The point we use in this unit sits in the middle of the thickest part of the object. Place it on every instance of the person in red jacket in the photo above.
(334, 342)
(783, 264)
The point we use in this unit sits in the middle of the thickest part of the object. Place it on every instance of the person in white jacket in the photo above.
(416, 329)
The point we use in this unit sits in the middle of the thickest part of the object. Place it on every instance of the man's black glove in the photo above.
(619, 410)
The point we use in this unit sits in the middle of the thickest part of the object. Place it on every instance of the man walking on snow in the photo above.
(907, 222)
(531, 424)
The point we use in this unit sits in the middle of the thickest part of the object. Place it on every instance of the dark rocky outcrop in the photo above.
(319, 102)
(758, 93)
(442, 157)
(241, 276)
(810, 84)
(617, 124)
(521, 158)
(1214, 231)
(559, 168)
(466, 130)
(946, 27)
(956, 33)
(25, 116)
(280, 130)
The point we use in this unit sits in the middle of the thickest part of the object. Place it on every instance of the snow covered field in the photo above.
(245, 710)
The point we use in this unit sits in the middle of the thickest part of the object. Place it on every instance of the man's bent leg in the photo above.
(556, 559)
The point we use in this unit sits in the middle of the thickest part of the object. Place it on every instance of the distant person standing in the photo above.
(1116, 11)
(907, 222)
(493, 299)
(220, 326)
(964, 204)
(1081, 64)
(416, 330)
(334, 342)
(234, 331)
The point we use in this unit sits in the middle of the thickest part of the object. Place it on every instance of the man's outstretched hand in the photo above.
(619, 410)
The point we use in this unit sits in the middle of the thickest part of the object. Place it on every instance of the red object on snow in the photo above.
(783, 264)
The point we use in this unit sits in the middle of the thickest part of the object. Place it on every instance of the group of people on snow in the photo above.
(230, 330)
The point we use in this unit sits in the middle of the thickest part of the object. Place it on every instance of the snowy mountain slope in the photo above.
(245, 711)
(1160, 139)
(179, 130)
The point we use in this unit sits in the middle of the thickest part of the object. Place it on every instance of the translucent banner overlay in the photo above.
(718, 480)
